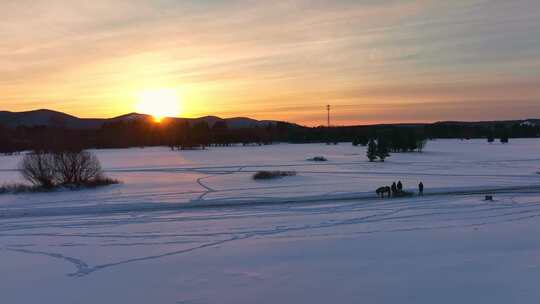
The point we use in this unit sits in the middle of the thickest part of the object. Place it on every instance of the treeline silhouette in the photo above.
(184, 135)
(395, 139)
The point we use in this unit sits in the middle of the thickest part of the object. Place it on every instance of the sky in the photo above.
(374, 61)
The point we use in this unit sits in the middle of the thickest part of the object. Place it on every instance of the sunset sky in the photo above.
(372, 60)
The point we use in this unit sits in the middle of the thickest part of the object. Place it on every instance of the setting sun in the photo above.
(159, 103)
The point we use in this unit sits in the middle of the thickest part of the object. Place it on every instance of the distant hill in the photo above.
(530, 121)
(44, 117)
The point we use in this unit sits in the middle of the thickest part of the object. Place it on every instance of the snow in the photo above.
(193, 227)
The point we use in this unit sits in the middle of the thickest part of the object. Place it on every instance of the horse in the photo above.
(382, 190)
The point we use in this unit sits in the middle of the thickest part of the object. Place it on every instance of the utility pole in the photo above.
(328, 124)
(328, 115)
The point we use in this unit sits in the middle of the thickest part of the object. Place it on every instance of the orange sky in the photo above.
(374, 61)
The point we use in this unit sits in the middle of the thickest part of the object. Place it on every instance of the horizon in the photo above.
(375, 62)
(286, 121)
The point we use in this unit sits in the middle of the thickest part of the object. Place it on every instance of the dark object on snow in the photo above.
(489, 198)
(394, 188)
(403, 194)
(63, 168)
(382, 149)
(371, 150)
(273, 174)
(382, 190)
(399, 186)
(421, 188)
(318, 159)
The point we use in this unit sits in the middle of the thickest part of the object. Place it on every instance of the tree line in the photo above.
(395, 139)
(139, 133)
(185, 135)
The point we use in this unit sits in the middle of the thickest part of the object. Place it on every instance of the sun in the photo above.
(159, 103)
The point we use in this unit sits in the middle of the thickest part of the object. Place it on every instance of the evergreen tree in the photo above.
(382, 149)
(362, 140)
(504, 136)
(372, 150)
(421, 144)
(490, 136)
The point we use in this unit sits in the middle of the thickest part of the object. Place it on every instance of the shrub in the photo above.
(39, 169)
(102, 181)
(318, 159)
(273, 174)
(65, 168)
(76, 168)
(16, 188)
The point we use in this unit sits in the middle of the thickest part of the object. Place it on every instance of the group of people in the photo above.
(397, 190)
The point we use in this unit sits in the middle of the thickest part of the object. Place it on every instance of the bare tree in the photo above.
(38, 168)
(76, 168)
(48, 169)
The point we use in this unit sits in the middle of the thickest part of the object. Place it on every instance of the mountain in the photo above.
(44, 117)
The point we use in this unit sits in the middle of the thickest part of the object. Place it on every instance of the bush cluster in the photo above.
(318, 159)
(63, 168)
(273, 174)
(16, 188)
(377, 149)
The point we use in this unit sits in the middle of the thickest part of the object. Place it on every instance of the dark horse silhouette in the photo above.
(382, 190)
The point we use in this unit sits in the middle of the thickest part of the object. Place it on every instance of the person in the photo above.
(394, 188)
(421, 188)
(399, 186)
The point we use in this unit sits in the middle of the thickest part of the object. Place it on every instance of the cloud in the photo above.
(90, 57)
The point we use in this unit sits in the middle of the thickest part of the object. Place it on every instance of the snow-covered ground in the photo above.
(193, 227)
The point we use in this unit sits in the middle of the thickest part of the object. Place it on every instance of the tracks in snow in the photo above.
(29, 212)
(304, 221)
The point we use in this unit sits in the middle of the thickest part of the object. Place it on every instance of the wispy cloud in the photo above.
(282, 59)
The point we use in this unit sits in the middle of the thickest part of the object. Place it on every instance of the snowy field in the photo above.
(193, 227)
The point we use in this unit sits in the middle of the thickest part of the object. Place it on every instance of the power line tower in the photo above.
(328, 115)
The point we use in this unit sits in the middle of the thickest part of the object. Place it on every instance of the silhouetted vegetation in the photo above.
(273, 174)
(66, 168)
(360, 140)
(182, 135)
(490, 136)
(18, 188)
(372, 150)
(377, 149)
(318, 159)
(382, 149)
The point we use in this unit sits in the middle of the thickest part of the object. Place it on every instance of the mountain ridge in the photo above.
(46, 117)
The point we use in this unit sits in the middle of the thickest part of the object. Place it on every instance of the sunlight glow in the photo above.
(159, 103)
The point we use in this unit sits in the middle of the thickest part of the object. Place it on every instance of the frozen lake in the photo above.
(193, 227)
